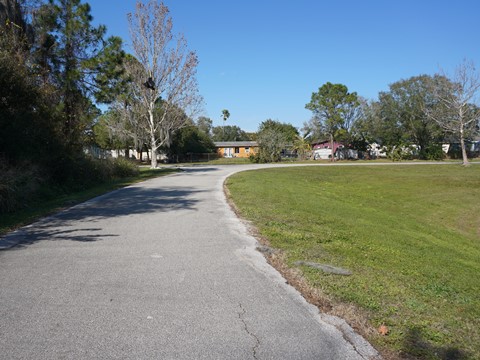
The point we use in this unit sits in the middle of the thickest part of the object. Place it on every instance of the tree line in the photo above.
(412, 119)
(57, 68)
(422, 112)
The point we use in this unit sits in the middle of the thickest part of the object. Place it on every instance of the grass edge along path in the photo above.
(410, 235)
(58, 202)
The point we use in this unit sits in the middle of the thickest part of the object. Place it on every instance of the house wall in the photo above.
(327, 145)
(236, 151)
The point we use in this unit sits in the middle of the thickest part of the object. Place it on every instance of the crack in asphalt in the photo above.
(345, 334)
(257, 341)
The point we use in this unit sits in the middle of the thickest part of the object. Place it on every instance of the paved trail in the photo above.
(158, 270)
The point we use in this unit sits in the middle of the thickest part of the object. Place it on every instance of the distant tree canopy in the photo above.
(289, 131)
(189, 140)
(229, 133)
(334, 109)
(204, 124)
(273, 137)
(399, 116)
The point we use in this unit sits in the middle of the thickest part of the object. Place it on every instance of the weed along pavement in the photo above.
(158, 270)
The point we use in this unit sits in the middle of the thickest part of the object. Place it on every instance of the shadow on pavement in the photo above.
(125, 202)
(198, 169)
(132, 201)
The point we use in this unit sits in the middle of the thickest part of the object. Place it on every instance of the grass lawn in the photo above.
(409, 234)
(61, 200)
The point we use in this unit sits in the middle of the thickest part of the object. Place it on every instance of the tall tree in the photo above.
(403, 107)
(459, 99)
(169, 72)
(131, 119)
(225, 116)
(78, 60)
(332, 107)
(378, 125)
(16, 33)
(29, 130)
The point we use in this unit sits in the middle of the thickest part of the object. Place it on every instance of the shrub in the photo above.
(82, 172)
(24, 184)
(400, 152)
(123, 167)
(18, 185)
(434, 152)
(254, 158)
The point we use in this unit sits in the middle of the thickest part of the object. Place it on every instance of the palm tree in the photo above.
(225, 115)
(302, 146)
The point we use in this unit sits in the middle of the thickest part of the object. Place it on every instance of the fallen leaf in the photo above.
(383, 330)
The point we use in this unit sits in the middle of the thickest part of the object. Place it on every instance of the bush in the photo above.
(123, 167)
(254, 158)
(18, 185)
(401, 152)
(434, 152)
(85, 171)
(24, 184)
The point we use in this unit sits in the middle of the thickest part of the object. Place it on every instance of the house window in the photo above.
(247, 150)
(237, 150)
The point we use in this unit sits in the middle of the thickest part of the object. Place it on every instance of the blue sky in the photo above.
(262, 59)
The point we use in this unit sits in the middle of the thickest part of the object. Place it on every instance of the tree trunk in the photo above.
(331, 145)
(153, 138)
(464, 151)
(154, 154)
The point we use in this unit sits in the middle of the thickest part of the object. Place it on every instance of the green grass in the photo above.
(58, 200)
(409, 234)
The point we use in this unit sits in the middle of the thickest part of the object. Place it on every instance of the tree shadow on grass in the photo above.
(418, 347)
(67, 225)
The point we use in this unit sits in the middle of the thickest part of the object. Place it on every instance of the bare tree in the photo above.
(168, 80)
(132, 119)
(458, 99)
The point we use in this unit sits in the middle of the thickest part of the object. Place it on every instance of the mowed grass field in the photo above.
(410, 235)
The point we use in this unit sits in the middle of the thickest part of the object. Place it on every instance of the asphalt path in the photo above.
(158, 270)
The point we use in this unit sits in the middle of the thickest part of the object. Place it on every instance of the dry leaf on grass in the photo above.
(383, 330)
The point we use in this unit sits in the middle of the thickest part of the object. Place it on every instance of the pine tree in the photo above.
(74, 55)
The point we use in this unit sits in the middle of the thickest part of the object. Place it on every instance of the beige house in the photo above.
(240, 149)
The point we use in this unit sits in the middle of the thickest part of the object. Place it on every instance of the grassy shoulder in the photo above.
(409, 234)
(58, 199)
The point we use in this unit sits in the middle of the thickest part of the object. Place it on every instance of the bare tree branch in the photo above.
(171, 66)
(458, 98)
